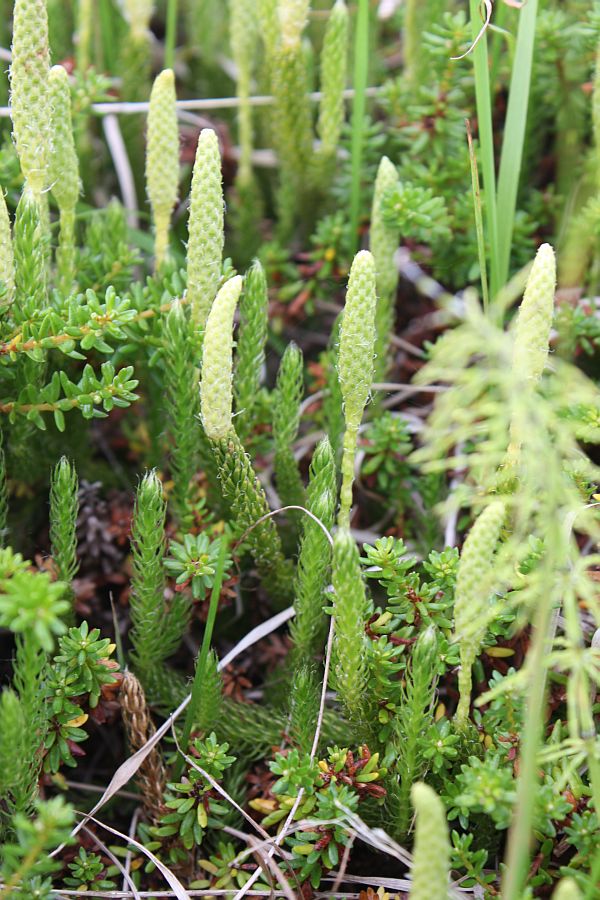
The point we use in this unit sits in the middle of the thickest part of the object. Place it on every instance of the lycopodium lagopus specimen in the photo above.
(30, 106)
(206, 228)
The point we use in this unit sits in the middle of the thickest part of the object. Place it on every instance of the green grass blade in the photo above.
(514, 136)
(486, 140)
(499, 37)
(478, 219)
(361, 74)
(171, 33)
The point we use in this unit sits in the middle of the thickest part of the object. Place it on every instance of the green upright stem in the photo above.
(361, 70)
(171, 33)
(161, 240)
(84, 36)
(198, 683)
(519, 839)
(497, 42)
(465, 684)
(66, 251)
(486, 139)
(349, 453)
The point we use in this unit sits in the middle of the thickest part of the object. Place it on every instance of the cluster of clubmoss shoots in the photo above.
(7, 261)
(239, 484)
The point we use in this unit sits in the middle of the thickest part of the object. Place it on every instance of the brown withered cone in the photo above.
(139, 727)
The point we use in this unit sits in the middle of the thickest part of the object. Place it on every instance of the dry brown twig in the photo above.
(139, 728)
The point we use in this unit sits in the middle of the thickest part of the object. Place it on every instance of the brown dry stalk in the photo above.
(139, 727)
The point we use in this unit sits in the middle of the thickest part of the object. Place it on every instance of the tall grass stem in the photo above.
(171, 34)
(514, 137)
(519, 838)
(478, 219)
(486, 140)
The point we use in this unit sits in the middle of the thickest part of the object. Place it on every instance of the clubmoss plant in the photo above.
(204, 21)
(504, 403)
(334, 64)
(63, 174)
(267, 11)
(138, 14)
(243, 36)
(206, 234)
(26, 857)
(431, 855)
(534, 319)
(12, 742)
(383, 242)
(246, 201)
(7, 262)
(182, 394)
(304, 707)
(64, 507)
(473, 586)
(250, 350)
(333, 405)
(412, 725)
(308, 625)
(83, 37)
(30, 259)
(286, 419)
(135, 71)
(293, 17)
(157, 628)
(162, 160)
(355, 365)
(30, 105)
(532, 335)
(292, 129)
(239, 484)
(349, 610)
(216, 390)
(33, 608)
